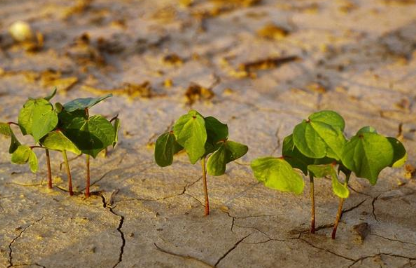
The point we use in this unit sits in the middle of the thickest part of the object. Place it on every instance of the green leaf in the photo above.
(166, 147)
(37, 118)
(21, 155)
(33, 162)
(90, 135)
(116, 130)
(400, 154)
(191, 134)
(277, 174)
(226, 153)
(366, 129)
(216, 132)
(321, 135)
(321, 171)
(367, 154)
(5, 129)
(57, 141)
(84, 103)
(294, 157)
(14, 143)
(50, 96)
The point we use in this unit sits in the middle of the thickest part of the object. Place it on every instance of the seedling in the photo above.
(318, 148)
(63, 128)
(201, 138)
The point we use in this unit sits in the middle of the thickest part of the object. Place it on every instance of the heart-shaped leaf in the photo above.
(226, 153)
(5, 129)
(400, 154)
(366, 154)
(83, 103)
(294, 157)
(191, 134)
(90, 135)
(320, 171)
(321, 135)
(216, 132)
(37, 117)
(33, 162)
(57, 141)
(277, 174)
(21, 155)
(166, 147)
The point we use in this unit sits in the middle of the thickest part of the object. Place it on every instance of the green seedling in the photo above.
(91, 134)
(201, 138)
(63, 128)
(318, 148)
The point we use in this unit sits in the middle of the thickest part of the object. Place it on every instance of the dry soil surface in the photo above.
(355, 57)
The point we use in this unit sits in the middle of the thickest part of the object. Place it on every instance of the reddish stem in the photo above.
(312, 194)
(339, 215)
(204, 178)
(48, 165)
(87, 189)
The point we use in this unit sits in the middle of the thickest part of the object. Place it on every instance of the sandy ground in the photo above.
(355, 57)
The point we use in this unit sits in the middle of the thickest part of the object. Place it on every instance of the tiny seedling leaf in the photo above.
(84, 103)
(321, 135)
(21, 154)
(400, 154)
(57, 141)
(367, 154)
(5, 129)
(277, 174)
(366, 129)
(320, 171)
(33, 162)
(191, 134)
(90, 135)
(226, 153)
(166, 147)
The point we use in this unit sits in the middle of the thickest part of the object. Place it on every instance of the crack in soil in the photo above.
(393, 240)
(373, 204)
(326, 250)
(381, 254)
(10, 260)
(119, 227)
(186, 257)
(231, 249)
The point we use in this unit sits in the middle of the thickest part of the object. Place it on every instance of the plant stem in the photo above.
(339, 213)
(312, 194)
(48, 165)
(68, 172)
(87, 189)
(204, 178)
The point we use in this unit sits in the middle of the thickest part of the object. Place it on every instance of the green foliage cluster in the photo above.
(318, 148)
(63, 128)
(200, 137)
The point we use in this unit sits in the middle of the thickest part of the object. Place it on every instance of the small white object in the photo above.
(21, 31)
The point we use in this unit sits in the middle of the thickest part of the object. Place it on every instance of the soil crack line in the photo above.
(354, 207)
(187, 257)
(10, 260)
(373, 203)
(231, 249)
(327, 250)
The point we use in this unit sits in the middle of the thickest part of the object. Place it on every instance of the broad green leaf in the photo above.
(14, 143)
(90, 135)
(366, 129)
(84, 103)
(166, 147)
(116, 130)
(33, 162)
(321, 171)
(227, 152)
(321, 135)
(367, 154)
(50, 96)
(216, 132)
(217, 162)
(57, 141)
(21, 155)
(66, 118)
(400, 154)
(37, 117)
(191, 134)
(277, 174)
(5, 129)
(294, 157)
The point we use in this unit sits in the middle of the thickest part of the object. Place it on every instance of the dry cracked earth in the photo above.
(261, 67)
